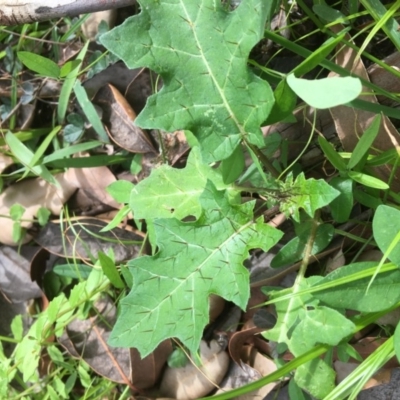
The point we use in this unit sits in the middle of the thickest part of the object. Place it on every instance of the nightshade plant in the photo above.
(200, 48)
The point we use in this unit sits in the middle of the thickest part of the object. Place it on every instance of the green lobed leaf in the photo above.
(309, 194)
(386, 228)
(201, 54)
(290, 311)
(319, 325)
(317, 377)
(169, 297)
(170, 192)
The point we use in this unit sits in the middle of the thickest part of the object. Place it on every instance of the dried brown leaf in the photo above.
(81, 238)
(118, 115)
(350, 123)
(146, 371)
(32, 194)
(192, 382)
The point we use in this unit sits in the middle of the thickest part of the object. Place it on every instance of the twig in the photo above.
(15, 13)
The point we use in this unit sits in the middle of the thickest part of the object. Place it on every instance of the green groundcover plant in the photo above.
(199, 228)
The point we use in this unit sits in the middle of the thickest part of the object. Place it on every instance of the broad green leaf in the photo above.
(16, 211)
(319, 325)
(37, 63)
(329, 14)
(293, 250)
(171, 192)
(43, 215)
(364, 144)
(366, 199)
(68, 67)
(200, 49)
(233, 166)
(368, 180)
(309, 194)
(169, 297)
(381, 294)
(120, 190)
(285, 102)
(290, 312)
(343, 204)
(317, 377)
(386, 229)
(326, 92)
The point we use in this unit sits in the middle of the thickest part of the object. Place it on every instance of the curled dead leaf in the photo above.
(118, 115)
(351, 123)
(82, 238)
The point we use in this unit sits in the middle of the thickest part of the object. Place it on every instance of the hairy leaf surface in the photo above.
(169, 297)
(309, 194)
(200, 49)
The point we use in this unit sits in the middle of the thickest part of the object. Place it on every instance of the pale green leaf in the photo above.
(368, 180)
(317, 377)
(43, 215)
(290, 312)
(200, 49)
(396, 341)
(171, 192)
(120, 190)
(326, 92)
(386, 228)
(319, 325)
(169, 297)
(16, 211)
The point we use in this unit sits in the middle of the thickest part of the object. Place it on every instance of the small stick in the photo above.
(15, 12)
